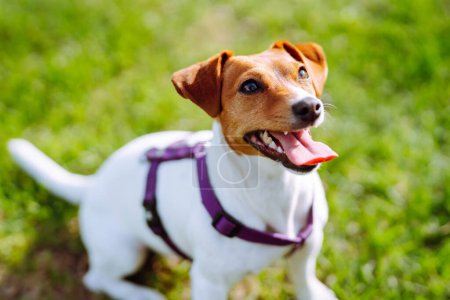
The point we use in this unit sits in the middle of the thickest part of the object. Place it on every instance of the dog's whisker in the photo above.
(329, 105)
(328, 115)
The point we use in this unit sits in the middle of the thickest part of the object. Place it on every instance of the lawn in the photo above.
(81, 78)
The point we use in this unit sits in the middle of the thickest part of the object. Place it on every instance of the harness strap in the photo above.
(227, 225)
(222, 221)
(152, 215)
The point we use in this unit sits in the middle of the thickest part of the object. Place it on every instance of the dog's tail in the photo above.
(58, 181)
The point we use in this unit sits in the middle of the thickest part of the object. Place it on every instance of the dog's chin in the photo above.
(275, 151)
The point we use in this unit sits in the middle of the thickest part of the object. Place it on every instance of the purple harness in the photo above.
(223, 222)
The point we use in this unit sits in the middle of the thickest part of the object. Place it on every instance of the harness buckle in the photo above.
(226, 224)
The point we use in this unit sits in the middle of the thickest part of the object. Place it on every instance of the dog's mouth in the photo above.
(296, 150)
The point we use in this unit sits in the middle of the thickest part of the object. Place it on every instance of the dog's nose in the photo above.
(307, 109)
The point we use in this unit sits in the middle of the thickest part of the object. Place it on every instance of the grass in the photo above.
(81, 78)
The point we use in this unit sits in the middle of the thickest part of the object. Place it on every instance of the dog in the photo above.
(261, 163)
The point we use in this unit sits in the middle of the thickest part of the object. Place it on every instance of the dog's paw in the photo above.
(118, 288)
(145, 294)
(316, 291)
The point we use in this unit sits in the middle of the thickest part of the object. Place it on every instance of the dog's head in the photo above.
(268, 101)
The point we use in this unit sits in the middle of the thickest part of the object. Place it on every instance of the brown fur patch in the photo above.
(270, 109)
(214, 86)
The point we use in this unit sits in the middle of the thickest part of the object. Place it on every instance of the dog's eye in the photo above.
(302, 73)
(250, 87)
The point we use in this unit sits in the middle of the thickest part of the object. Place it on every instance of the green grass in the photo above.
(81, 78)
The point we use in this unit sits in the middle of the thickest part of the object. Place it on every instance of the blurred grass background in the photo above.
(81, 78)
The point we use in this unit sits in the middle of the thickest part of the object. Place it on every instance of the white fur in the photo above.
(115, 233)
(62, 183)
(300, 93)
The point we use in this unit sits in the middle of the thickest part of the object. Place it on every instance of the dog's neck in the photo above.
(258, 191)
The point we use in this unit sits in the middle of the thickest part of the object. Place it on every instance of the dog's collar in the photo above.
(222, 221)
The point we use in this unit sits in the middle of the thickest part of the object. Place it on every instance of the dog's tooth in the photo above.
(279, 149)
(285, 133)
(266, 138)
(273, 145)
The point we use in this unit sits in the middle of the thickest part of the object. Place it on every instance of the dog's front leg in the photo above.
(302, 270)
(208, 283)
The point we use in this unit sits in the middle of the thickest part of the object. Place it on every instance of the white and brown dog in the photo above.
(261, 163)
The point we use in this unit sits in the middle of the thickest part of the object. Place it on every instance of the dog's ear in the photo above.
(202, 83)
(313, 57)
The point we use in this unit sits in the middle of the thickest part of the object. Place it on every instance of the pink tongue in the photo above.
(302, 150)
